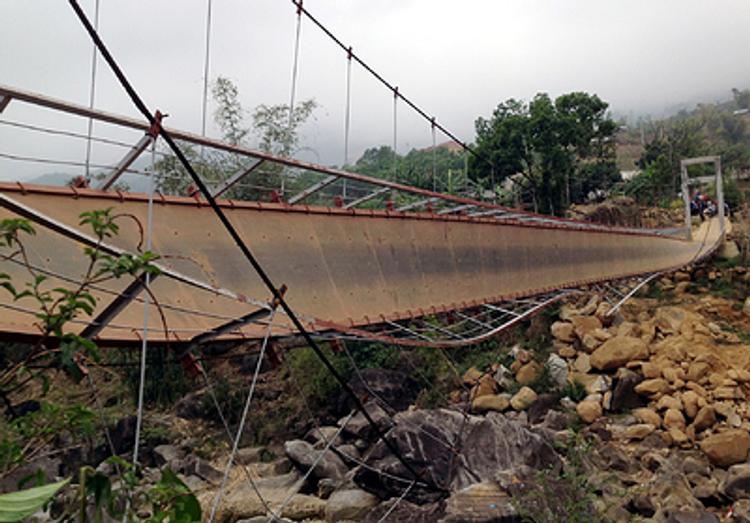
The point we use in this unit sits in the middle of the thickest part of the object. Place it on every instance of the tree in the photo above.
(277, 133)
(741, 98)
(559, 150)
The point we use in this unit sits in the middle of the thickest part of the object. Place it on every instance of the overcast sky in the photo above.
(457, 60)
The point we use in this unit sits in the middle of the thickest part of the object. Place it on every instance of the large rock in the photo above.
(304, 455)
(359, 427)
(452, 450)
(583, 325)
(405, 511)
(726, 448)
(528, 373)
(479, 503)
(737, 483)
(496, 402)
(563, 331)
(241, 500)
(623, 391)
(523, 399)
(350, 504)
(393, 390)
(688, 516)
(589, 411)
(618, 351)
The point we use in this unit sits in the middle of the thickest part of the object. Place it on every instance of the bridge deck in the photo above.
(342, 267)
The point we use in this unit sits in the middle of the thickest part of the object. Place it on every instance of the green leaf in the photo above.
(18, 505)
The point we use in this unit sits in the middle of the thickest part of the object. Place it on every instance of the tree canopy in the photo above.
(556, 151)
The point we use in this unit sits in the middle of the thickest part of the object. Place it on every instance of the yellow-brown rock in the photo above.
(705, 418)
(648, 416)
(471, 376)
(589, 410)
(563, 331)
(690, 402)
(486, 386)
(523, 399)
(618, 351)
(494, 402)
(528, 373)
(652, 387)
(697, 370)
(639, 431)
(583, 325)
(726, 448)
(673, 418)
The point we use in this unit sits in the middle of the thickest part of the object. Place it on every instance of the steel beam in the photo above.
(312, 189)
(131, 156)
(367, 197)
(234, 179)
(4, 101)
(229, 326)
(115, 307)
(414, 205)
(457, 209)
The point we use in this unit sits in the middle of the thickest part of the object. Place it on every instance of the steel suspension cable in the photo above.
(347, 115)
(293, 89)
(232, 232)
(206, 63)
(387, 84)
(92, 91)
(395, 133)
(146, 308)
(241, 427)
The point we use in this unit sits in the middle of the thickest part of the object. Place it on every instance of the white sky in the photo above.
(457, 60)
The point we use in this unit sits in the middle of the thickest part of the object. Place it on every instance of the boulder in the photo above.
(582, 363)
(496, 402)
(623, 391)
(393, 390)
(471, 376)
(558, 370)
(563, 331)
(528, 373)
(241, 500)
(673, 418)
(523, 399)
(405, 511)
(349, 504)
(359, 427)
(726, 448)
(736, 485)
(583, 325)
(479, 503)
(698, 516)
(618, 351)
(705, 418)
(639, 431)
(741, 511)
(652, 387)
(485, 386)
(303, 455)
(489, 445)
(648, 416)
(589, 411)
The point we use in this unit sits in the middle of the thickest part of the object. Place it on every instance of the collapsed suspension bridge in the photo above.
(332, 254)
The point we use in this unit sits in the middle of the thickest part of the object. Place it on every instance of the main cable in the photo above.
(387, 84)
(141, 106)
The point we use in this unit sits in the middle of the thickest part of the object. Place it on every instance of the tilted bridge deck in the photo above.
(344, 268)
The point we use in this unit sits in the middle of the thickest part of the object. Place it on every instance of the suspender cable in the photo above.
(387, 84)
(92, 90)
(206, 63)
(434, 157)
(146, 306)
(347, 115)
(395, 131)
(246, 252)
(295, 68)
